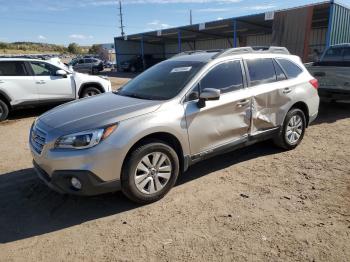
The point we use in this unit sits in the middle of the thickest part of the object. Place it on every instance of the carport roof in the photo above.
(244, 25)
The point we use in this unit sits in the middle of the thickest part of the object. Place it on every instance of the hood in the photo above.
(95, 112)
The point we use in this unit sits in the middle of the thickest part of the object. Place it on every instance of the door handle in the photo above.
(287, 90)
(41, 82)
(243, 103)
(1, 82)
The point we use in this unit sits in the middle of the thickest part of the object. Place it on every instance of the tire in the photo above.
(94, 71)
(4, 111)
(90, 91)
(142, 183)
(132, 69)
(295, 130)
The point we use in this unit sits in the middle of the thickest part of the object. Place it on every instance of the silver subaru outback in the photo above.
(181, 111)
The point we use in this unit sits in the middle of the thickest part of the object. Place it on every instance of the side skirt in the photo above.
(231, 146)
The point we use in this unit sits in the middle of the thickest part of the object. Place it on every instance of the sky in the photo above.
(89, 22)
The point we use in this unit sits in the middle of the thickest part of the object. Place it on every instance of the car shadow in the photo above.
(29, 112)
(332, 112)
(29, 208)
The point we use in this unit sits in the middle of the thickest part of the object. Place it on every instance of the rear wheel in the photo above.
(150, 172)
(4, 111)
(94, 71)
(293, 130)
(90, 91)
(132, 69)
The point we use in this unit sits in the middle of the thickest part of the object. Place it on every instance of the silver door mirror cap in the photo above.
(209, 94)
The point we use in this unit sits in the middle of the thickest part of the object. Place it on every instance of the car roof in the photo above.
(23, 59)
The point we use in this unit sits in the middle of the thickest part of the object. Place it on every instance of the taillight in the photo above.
(314, 83)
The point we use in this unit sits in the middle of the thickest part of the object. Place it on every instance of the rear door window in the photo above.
(291, 69)
(261, 71)
(12, 68)
(226, 77)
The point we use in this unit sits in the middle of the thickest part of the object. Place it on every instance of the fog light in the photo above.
(76, 183)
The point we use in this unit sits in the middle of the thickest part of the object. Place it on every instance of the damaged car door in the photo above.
(223, 122)
(271, 90)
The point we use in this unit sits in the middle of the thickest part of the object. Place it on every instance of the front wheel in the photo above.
(4, 111)
(150, 172)
(90, 91)
(293, 130)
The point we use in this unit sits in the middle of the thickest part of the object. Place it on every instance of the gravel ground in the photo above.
(255, 204)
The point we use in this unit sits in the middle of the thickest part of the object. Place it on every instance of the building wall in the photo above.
(223, 43)
(339, 25)
(259, 40)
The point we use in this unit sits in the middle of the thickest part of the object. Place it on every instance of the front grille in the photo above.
(38, 139)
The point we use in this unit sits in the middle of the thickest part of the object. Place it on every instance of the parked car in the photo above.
(87, 65)
(136, 63)
(179, 112)
(107, 64)
(30, 82)
(333, 73)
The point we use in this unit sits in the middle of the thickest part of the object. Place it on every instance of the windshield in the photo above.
(162, 81)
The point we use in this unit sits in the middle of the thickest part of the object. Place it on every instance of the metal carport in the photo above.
(301, 30)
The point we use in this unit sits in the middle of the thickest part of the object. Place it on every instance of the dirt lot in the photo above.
(255, 204)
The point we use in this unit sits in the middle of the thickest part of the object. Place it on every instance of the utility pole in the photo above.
(121, 19)
(190, 16)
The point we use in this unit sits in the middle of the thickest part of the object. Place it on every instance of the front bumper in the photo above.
(91, 184)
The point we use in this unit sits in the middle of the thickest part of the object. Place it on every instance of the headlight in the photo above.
(85, 139)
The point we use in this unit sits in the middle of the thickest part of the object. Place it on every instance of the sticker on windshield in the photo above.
(181, 69)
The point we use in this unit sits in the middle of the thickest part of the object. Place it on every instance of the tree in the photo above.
(74, 48)
(3, 45)
(95, 49)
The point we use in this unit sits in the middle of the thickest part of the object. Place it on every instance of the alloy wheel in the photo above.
(152, 173)
(90, 93)
(294, 129)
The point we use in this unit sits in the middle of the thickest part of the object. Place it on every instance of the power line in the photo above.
(121, 18)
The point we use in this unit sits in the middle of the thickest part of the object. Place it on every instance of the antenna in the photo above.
(121, 19)
(190, 16)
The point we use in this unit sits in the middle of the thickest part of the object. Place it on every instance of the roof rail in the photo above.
(253, 49)
(197, 52)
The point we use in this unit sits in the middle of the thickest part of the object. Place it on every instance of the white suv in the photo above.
(29, 82)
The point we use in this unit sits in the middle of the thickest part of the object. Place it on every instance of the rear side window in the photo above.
(291, 69)
(261, 71)
(279, 72)
(9, 68)
(227, 77)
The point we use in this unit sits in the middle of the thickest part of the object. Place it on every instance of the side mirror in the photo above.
(61, 73)
(208, 94)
